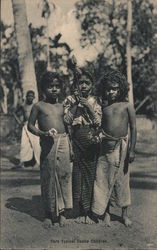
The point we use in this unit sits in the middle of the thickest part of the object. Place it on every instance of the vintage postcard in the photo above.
(78, 124)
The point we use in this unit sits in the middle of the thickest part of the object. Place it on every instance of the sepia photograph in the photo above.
(78, 130)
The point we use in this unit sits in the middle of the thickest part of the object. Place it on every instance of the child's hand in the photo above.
(76, 94)
(44, 133)
(52, 132)
(84, 102)
(131, 156)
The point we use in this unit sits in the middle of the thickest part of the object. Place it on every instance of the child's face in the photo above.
(30, 98)
(85, 85)
(112, 92)
(53, 89)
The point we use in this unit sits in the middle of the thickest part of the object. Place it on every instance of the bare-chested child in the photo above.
(112, 176)
(30, 148)
(55, 166)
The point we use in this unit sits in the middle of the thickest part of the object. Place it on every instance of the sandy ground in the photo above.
(22, 213)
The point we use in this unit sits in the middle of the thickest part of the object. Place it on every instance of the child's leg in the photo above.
(88, 219)
(48, 221)
(126, 220)
(95, 217)
(107, 216)
(62, 220)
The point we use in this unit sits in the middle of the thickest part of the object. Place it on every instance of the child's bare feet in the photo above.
(47, 223)
(63, 221)
(79, 220)
(100, 221)
(88, 220)
(127, 222)
(107, 219)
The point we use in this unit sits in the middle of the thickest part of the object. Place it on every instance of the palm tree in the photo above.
(128, 50)
(25, 57)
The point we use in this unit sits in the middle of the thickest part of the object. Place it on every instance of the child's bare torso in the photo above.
(115, 119)
(50, 116)
(26, 111)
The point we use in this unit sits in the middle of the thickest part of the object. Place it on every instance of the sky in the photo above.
(32, 6)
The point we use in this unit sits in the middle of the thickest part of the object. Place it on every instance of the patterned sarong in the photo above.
(56, 174)
(85, 156)
(112, 175)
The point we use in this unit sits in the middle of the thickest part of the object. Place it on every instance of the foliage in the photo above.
(104, 22)
(58, 54)
(9, 62)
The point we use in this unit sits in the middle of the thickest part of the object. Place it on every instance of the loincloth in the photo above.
(56, 174)
(112, 175)
(29, 146)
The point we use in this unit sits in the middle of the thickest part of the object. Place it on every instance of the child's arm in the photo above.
(70, 108)
(19, 112)
(32, 120)
(94, 111)
(133, 132)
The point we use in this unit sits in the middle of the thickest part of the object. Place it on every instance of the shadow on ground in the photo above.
(139, 174)
(115, 217)
(145, 179)
(19, 182)
(143, 184)
(145, 154)
(31, 207)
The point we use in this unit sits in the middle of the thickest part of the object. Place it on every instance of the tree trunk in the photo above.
(46, 14)
(128, 51)
(48, 51)
(25, 57)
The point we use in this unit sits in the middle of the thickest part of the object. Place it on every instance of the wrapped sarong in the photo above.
(84, 167)
(56, 174)
(112, 175)
(30, 146)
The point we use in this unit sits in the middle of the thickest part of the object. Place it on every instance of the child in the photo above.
(83, 114)
(55, 166)
(112, 175)
(30, 147)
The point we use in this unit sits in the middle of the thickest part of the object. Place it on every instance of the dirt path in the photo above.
(21, 209)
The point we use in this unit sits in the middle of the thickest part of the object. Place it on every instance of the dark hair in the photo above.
(114, 76)
(47, 78)
(81, 72)
(30, 92)
(87, 74)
